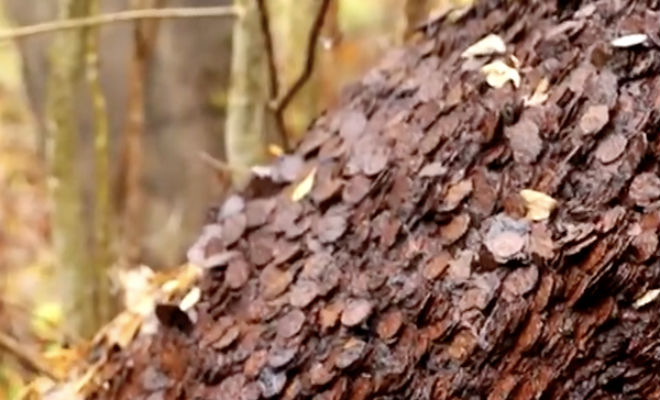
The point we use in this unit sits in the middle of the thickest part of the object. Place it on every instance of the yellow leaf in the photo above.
(540, 94)
(47, 317)
(190, 299)
(498, 74)
(647, 298)
(122, 329)
(539, 205)
(275, 150)
(491, 44)
(304, 187)
(629, 40)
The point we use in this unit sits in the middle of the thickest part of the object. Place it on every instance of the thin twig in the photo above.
(32, 361)
(268, 43)
(272, 71)
(284, 100)
(122, 16)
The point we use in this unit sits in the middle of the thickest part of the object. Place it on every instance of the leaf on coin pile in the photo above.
(629, 40)
(539, 205)
(647, 298)
(540, 94)
(304, 187)
(491, 44)
(275, 150)
(190, 299)
(498, 73)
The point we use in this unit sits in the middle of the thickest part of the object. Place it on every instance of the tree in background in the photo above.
(83, 277)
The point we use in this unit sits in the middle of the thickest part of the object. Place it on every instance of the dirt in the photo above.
(412, 269)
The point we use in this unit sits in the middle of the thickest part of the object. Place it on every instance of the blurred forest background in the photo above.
(116, 138)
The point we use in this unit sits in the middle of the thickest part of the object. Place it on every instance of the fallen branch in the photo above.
(32, 361)
(122, 16)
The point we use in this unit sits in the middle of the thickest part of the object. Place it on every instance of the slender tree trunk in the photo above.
(247, 114)
(76, 272)
(104, 256)
(130, 193)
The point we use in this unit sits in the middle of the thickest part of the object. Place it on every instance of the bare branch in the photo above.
(284, 100)
(122, 16)
(32, 361)
(272, 70)
(268, 43)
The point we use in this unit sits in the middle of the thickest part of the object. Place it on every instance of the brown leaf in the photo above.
(437, 265)
(355, 312)
(611, 148)
(594, 119)
(389, 324)
(455, 229)
(290, 323)
(329, 314)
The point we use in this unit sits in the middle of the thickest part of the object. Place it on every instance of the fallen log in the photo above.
(464, 225)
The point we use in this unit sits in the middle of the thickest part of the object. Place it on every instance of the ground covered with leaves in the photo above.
(478, 218)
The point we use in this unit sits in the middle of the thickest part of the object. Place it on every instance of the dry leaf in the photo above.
(491, 44)
(540, 94)
(498, 74)
(304, 187)
(190, 299)
(275, 150)
(647, 298)
(539, 205)
(629, 40)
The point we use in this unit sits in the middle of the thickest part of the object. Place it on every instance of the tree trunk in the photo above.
(459, 241)
(77, 273)
(247, 113)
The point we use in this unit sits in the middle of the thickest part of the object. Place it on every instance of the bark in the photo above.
(416, 267)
